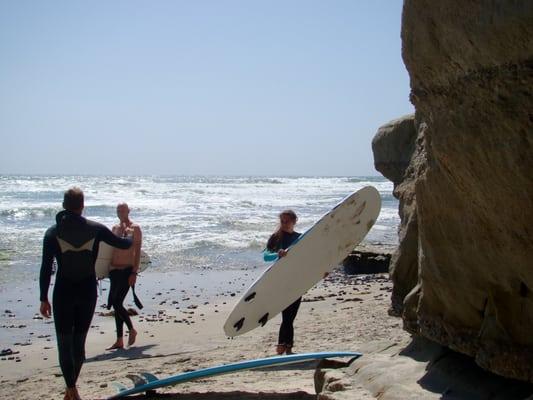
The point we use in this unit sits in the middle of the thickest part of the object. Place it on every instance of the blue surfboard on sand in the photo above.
(145, 382)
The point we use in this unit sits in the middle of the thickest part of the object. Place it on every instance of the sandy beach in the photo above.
(341, 313)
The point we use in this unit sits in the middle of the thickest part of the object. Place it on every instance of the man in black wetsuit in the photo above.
(73, 242)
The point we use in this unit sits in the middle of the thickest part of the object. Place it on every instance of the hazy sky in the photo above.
(198, 87)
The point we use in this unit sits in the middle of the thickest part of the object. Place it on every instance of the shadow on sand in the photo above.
(133, 353)
(457, 376)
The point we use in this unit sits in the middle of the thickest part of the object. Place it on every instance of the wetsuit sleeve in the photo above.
(113, 240)
(271, 251)
(49, 251)
(269, 255)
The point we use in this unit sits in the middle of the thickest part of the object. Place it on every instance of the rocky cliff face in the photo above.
(462, 169)
(396, 146)
(463, 273)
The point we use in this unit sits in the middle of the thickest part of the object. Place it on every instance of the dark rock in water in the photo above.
(6, 352)
(361, 262)
(462, 274)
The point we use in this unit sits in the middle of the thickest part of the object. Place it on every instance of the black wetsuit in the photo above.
(286, 330)
(117, 293)
(73, 242)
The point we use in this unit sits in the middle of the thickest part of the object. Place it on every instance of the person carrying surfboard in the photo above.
(123, 275)
(73, 241)
(277, 246)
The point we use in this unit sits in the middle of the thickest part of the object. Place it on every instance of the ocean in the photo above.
(188, 222)
(204, 234)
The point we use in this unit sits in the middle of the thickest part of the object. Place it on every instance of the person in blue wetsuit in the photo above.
(277, 246)
(73, 241)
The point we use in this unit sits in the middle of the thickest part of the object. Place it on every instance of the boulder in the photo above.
(398, 148)
(366, 262)
(411, 370)
(393, 146)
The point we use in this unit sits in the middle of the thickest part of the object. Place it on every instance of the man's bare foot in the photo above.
(131, 337)
(119, 344)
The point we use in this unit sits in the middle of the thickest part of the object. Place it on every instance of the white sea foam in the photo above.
(187, 222)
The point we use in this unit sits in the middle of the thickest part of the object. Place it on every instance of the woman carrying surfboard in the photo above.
(277, 246)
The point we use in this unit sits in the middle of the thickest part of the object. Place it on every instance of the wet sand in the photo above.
(181, 330)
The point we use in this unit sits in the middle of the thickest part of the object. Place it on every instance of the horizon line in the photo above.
(193, 175)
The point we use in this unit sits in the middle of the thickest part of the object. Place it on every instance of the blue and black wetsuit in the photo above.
(284, 240)
(73, 241)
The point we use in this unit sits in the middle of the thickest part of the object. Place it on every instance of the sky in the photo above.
(202, 87)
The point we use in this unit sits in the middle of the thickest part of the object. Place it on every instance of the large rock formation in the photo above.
(463, 171)
(471, 69)
(467, 194)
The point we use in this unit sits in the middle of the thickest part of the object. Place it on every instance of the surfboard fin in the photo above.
(119, 386)
(137, 380)
(263, 320)
(250, 297)
(238, 325)
(149, 377)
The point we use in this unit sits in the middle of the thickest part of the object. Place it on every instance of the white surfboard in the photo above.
(105, 253)
(316, 253)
